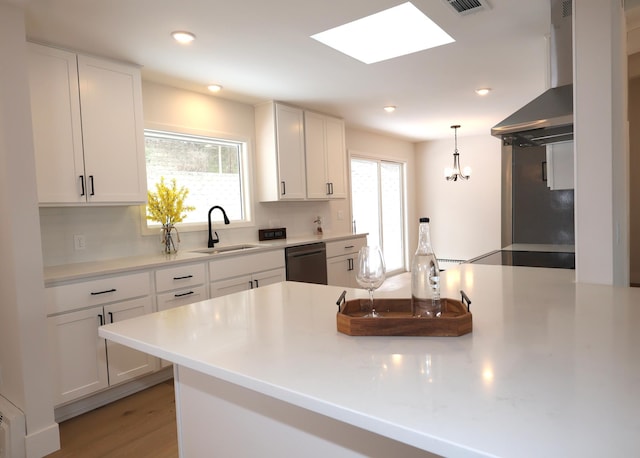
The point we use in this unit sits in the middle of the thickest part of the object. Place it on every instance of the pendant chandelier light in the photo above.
(452, 174)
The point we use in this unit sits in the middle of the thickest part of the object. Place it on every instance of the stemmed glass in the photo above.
(371, 273)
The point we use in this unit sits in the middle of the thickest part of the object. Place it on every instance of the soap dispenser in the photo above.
(318, 222)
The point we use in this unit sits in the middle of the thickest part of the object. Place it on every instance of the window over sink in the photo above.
(214, 171)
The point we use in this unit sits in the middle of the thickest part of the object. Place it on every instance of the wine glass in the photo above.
(371, 273)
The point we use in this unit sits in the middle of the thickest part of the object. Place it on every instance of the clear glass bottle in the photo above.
(425, 276)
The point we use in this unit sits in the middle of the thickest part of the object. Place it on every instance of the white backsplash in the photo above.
(114, 232)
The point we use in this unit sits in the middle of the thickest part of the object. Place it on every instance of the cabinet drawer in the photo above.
(179, 277)
(245, 264)
(95, 292)
(181, 297)
(345, 246)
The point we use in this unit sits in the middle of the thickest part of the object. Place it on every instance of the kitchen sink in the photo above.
(226, 249)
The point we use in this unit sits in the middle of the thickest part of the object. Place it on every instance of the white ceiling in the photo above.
(262, 50)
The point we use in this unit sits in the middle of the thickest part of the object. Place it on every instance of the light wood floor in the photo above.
(140, 425)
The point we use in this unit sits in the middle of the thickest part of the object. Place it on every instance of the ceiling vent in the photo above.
(468, 6)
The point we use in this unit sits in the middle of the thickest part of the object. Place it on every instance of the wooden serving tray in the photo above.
(397, 319)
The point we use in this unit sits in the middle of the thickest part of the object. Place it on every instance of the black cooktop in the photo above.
(559, 260)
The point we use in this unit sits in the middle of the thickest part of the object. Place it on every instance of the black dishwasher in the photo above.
(307, 263)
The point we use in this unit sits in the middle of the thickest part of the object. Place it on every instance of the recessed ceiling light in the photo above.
(183, 37)
(214, 87)
(483, 91)
(394, 32)
(390, 108)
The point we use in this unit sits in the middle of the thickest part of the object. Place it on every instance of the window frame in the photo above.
(246, 178)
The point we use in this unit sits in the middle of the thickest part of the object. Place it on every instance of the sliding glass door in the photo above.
(377, 198)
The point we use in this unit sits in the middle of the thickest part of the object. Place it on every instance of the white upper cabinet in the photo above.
(87, 128)
(280, 152)
(560, 166)
(325, 156)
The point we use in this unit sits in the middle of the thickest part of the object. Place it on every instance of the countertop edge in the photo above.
(54, 275)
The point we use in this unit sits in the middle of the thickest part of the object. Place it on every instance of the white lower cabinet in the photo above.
(342, 259)
(79, 357)
(180, 285)
(241, 273)
(82, 362)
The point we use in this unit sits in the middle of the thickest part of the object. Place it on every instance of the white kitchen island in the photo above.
(550, 369)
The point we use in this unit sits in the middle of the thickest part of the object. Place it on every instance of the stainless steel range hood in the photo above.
(549, 117)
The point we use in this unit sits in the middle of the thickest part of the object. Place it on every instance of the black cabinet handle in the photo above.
(349, 264)
(328, 185)
(82, 184)
(93, 193)
(183, 294)
(331, 188)
(100, 319)
(112, 290)
(257, 284)
(349, 246)
(183, 277)
(250, 284)
(544, 170)
(110, 317)
(283, 187)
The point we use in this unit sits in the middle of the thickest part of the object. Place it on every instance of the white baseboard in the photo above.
(110, 395)
(43, 442)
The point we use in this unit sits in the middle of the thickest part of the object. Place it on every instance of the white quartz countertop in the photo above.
(550, 369)
(80, 270)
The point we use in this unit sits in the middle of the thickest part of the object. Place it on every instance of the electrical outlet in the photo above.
(79, 242)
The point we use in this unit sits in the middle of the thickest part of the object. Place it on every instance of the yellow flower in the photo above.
(166, 205)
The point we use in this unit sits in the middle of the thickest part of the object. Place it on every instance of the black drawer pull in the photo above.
(93, 190)
(101, 319)
(82, 184)
(349, 247)
(183, 294)
(112, 290)
(183, 277)
(110, 317)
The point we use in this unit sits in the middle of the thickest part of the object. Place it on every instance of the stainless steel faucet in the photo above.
(213, 241)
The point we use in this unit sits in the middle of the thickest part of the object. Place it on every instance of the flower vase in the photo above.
(169, 238)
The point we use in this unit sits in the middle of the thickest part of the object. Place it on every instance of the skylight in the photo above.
(395, 32)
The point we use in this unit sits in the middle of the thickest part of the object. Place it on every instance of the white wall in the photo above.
(634, 174)
(601, 160)
(465, 215)
(24, 369)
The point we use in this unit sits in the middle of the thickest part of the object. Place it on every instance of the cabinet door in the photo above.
(231, 285)
(336, 157)
(268, 277)
(325, 156)
(112, 131)
(125, 363)
(290, 148)
(341, 271)
(77, 353)
(57, 135)
(315, 150)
